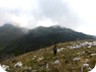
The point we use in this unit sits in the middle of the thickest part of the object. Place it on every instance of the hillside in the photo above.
(73, 56)
(8, 34)
(41, 37)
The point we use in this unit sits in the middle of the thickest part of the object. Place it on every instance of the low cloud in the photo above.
(28, 14)
(59, 12)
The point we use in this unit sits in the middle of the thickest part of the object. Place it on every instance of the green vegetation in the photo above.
(34, 49)
(65, 57)
(38, 38)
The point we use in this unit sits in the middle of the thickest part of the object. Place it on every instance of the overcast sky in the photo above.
(79, 15)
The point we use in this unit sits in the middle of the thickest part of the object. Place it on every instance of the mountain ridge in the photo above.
(41, 37)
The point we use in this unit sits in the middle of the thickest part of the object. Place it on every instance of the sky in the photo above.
(78, 15)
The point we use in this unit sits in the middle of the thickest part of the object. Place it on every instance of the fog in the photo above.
(78, 15)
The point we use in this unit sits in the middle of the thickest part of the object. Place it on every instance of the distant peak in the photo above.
(56, 26)
(8, 25)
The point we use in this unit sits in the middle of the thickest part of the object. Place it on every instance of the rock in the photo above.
(83, 44)
(57, 62)
(40, 59)
(47, 66)
(82, 53)
(89, 68)
(60, 49)
(89, 46)
(94, 54)
(34, 58)
(76, 59)
(94, 43)
(18, 64)
(85, 65)
(5, 67)
(27, 69)
(87, 60)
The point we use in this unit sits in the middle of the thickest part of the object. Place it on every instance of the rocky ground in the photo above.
(74, 56)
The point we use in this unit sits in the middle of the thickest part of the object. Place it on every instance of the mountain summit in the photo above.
(41, 37)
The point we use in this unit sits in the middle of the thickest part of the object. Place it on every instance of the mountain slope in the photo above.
(71, 57)
(9, 32)
(41, 37)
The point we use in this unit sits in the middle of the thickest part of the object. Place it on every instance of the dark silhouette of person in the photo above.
(55, 50)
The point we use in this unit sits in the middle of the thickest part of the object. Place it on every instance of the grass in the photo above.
(65, 57)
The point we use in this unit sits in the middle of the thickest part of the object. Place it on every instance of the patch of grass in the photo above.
(65, 57)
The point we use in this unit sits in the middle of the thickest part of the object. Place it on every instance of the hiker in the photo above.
(55, 49)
